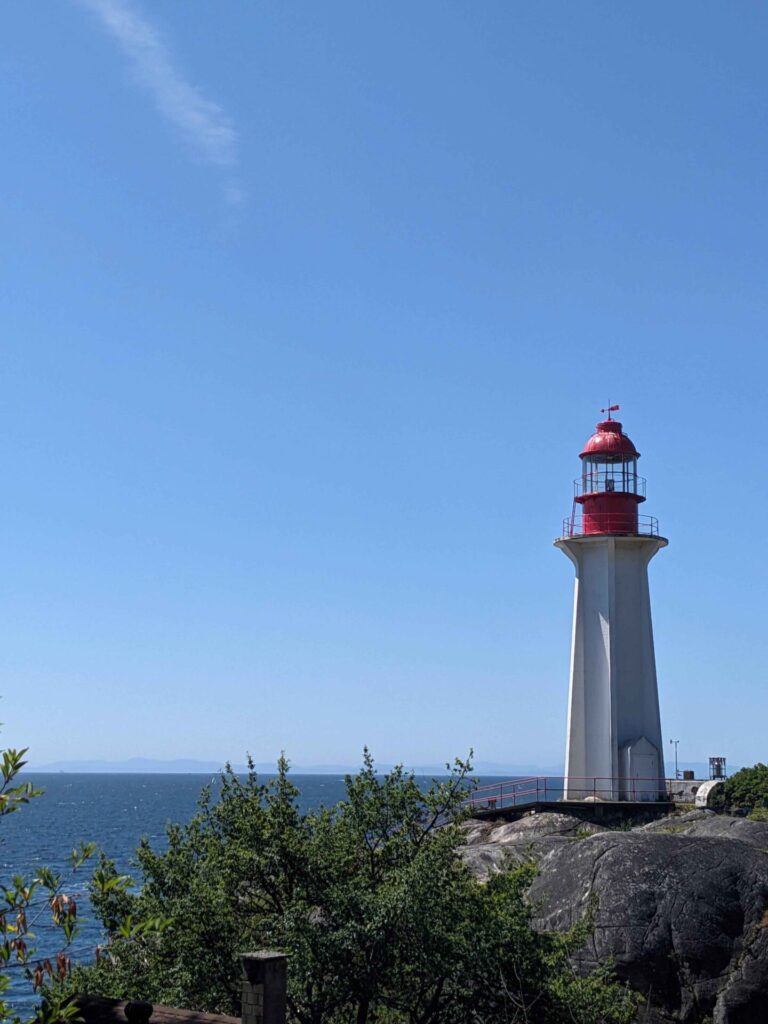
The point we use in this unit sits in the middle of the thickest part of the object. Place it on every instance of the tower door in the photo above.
(640, 763)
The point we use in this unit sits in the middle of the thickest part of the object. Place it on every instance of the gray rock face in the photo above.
(684, 918)
(707, 824)
(680, 906)
(494, 847)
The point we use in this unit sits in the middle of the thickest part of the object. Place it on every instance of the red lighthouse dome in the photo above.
(610, 439)
(609, 490)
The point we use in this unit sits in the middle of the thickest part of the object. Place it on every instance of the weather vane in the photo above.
(610, 409)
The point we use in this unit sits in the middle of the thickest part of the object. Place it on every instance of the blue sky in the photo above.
(306, 311)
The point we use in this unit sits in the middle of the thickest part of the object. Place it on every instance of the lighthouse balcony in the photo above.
(609, 481)
(627, 524)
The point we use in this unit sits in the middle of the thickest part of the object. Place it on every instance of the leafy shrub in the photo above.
(23, 902)
(746, 791)
(381, 919)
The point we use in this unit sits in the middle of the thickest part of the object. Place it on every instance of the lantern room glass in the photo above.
(610, 473)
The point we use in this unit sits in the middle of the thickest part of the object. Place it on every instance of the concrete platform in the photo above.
(602, 812)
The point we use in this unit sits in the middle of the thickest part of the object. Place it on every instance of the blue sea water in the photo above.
(114, 811)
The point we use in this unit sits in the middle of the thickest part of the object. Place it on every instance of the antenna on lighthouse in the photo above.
(611, 408)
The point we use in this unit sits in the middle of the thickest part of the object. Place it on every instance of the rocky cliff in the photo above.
(680, 906)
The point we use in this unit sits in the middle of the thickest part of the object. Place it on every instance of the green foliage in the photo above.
(747, 790)
(22, 903)
(380, 918)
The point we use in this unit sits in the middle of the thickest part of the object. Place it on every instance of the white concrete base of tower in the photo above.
(614, 748)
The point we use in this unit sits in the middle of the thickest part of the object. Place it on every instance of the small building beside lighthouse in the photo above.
(614, 747)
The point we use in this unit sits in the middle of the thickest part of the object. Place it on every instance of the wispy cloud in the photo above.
(204, 124)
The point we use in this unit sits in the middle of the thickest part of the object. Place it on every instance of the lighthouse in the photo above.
(614, 747)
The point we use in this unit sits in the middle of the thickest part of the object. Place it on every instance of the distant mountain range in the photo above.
(190, 766)
(187, 766)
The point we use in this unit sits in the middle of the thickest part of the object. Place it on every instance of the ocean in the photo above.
(114, 811)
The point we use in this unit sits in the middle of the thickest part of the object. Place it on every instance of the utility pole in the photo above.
(677, 773)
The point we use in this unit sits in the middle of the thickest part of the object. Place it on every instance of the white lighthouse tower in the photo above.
(614, 748)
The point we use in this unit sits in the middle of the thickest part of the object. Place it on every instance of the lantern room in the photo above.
(609, 490)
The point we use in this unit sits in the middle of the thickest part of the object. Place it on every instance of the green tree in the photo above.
(746, 790)
(26, 901)
(381, 919)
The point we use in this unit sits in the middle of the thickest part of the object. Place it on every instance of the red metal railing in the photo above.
(596, 523)
(548, 788)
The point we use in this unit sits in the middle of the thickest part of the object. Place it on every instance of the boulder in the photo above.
(497, 846)
(707, 824)
(683, 913)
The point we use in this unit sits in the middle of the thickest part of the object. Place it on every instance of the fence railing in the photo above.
(627, 523)
(547, 788)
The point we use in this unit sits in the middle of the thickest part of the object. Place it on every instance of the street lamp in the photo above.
(677, 773)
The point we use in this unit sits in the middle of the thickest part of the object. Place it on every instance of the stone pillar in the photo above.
(264, 987)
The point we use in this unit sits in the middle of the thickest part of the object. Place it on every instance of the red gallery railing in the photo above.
(598, 523)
